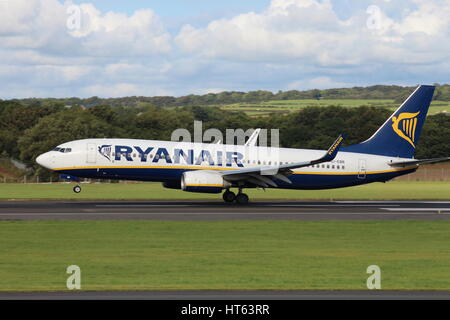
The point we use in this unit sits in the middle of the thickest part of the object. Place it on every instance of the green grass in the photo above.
(157, 255)
(397, 190)
(285, 106)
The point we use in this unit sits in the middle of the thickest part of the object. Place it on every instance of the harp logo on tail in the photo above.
(405, 126)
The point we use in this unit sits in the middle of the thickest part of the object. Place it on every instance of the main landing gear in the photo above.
(229, 196)
(240, 198)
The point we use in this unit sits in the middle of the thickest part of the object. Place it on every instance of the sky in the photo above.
(115, 48)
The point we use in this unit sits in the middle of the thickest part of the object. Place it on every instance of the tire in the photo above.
(242, 198)
(229, 196)
(77, 189)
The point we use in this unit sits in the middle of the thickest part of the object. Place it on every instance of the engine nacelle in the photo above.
(203, 181)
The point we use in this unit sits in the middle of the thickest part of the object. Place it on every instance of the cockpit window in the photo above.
(63, 150)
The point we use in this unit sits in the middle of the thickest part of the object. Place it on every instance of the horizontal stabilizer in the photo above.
(418, 162)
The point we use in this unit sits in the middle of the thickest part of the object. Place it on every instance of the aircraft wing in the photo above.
(265, 176)
(418, 162)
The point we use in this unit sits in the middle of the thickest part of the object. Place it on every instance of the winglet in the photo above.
(333, 150)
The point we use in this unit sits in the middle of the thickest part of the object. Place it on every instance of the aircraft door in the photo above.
(91, 153)
(362, 169)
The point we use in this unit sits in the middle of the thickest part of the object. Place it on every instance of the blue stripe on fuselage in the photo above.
(299, 180)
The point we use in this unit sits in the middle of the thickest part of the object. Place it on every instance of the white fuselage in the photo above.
(152, 160)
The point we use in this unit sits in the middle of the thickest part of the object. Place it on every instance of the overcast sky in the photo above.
(112, 48)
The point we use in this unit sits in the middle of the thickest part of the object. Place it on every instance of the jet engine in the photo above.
(203, 181)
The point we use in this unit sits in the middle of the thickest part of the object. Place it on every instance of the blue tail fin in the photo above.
(399, 135)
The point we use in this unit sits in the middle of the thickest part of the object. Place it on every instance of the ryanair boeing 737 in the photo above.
(214, 168)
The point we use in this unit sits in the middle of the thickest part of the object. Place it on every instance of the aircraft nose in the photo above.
(44, 160)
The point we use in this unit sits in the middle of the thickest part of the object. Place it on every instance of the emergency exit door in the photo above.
(362, 169)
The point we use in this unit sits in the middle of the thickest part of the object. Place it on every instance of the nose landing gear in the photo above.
(77, 189)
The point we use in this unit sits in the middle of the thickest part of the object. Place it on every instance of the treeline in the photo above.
(397, 93)
(27, 131)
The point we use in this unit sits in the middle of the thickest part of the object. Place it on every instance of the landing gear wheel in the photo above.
(228, 196)
(242, 198)
(77, 189)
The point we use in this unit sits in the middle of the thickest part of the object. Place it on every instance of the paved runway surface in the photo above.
(230, 295)
(207, 210)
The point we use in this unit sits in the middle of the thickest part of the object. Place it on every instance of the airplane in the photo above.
(217, 168)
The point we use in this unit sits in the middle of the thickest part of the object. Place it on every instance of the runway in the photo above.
(210, 211)
(241, 295)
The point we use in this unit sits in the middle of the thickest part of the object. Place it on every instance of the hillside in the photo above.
(395, 93)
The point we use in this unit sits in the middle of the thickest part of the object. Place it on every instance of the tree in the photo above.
(58, 128)
(15, 118)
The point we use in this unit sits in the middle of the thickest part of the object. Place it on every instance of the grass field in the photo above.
(397, 190)
(173, 255)
(138, 255)
(286, 106)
